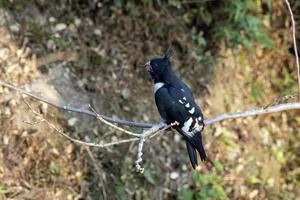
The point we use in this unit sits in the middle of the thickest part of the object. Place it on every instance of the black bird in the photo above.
(175, 102)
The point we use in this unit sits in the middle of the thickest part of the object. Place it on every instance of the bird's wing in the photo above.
(177, 105)
(169, 108)
(183, 97)
(192, 124)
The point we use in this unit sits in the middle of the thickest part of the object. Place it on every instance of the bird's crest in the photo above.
(168, 52)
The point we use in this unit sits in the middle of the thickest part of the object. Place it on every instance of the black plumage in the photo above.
(175, 102)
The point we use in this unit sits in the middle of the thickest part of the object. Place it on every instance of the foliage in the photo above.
(240, 25)
(285, 83)
(208, 185)
(236, 22)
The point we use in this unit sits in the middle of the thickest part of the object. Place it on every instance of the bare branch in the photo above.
(253, 111)
(100, 175)
(100, 118)
(146, 133)
(295, 44)
(77, 110)
(42, 119)
(220, 117)
(165, 127)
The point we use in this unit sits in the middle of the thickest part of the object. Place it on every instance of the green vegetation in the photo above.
(235, 22)
(285, 83)
(240, 24)
(208, 185)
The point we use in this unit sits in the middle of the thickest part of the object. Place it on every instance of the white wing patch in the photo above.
(186, 127)
(201, 127)
(184, 98)
(192, 110)
(182, 89)
(189, 130)
(180, 101)
(157, 86)
(187, 105)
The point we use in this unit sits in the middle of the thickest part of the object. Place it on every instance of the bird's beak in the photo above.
(148, 66)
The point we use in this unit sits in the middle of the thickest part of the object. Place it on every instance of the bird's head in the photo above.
(160, 68)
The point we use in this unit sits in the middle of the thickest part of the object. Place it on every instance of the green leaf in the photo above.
(253, 179)
(186, 194)
(2, 189)
(196, 177)
(279, 154)
(201, 40)
(54, 169)
(256, 91)
(149, 176)
(121, 193)
(218, 165)
(205, 16)
(203, 194)
(146, 2)
(141, 194)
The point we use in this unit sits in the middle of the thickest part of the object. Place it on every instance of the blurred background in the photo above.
(233, 54)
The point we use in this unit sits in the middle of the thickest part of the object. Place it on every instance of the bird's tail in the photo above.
(193, 144)
(197, 142)
(192, 154)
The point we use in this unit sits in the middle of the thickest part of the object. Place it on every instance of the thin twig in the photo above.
(100, 118)
(281, 100)
(146, 133)
(91, 144)
(216, 118)
(93, 160)
(165, 127)
(98, 170)
(295, 45)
